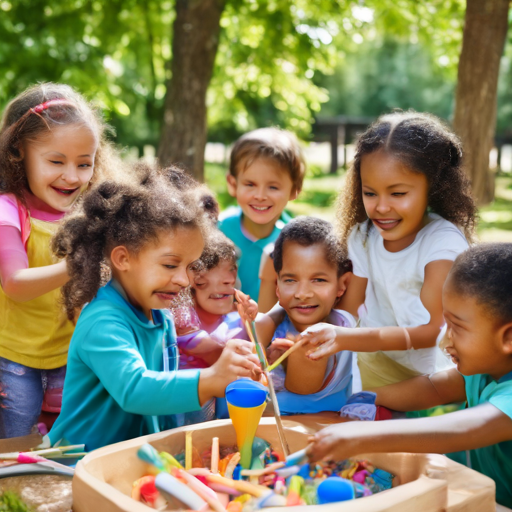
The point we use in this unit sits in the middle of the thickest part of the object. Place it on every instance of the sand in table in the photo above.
(44, 493)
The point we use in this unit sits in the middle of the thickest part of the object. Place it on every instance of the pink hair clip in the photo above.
(50, 103)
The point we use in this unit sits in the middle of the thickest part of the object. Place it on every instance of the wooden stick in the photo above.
(291, 350)
(188, 449)
(239, 485)
(215, 455)
(251, 330)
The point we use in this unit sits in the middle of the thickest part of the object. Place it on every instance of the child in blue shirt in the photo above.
(266, 171)
(123, 360)
(313, 272)
(477, 306)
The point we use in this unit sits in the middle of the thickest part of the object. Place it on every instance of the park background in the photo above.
(174, 78)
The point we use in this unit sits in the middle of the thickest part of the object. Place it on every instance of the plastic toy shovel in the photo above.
(246, 402)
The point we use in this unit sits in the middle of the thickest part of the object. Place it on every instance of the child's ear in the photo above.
(277, 290)
(343, 282)
(120, 258)
(507, 339)
(231, 184)
(294, 193)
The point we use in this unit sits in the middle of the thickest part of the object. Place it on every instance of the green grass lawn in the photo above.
(319, 195)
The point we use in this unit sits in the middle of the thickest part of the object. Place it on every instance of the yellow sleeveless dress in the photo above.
(36, 333)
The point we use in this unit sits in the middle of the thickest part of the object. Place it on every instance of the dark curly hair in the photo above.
(21, 123)
(484, 272)
(184, 181)
(308, 231)
(218, 248)
(426, 145)
(117, 213)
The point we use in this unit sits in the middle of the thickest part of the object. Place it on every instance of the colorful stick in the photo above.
(291, 350)
(251, 330)
(215, 455)
(188, 449)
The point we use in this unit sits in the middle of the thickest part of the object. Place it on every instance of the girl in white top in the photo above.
(406, 214)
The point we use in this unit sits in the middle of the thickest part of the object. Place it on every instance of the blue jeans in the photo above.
(21, 395)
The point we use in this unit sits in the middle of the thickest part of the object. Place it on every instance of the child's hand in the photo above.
(277, 348)
(324, 335)
(247, 308)
(236, 360)
(336, 442)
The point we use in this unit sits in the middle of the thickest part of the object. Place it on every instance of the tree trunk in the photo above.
(194, 47)
(485, 30)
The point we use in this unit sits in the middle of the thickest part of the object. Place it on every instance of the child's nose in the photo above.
(261, 193)
(382, 205)
(181, 278)
(70, 174)
(303, 292)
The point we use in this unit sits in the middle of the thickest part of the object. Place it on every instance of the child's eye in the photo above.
(170, 266)
(398, 194)
(85, 165)
(368, 194)
(274, 188)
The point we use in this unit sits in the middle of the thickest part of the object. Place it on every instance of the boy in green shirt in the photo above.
(477, 305)
(266, 171)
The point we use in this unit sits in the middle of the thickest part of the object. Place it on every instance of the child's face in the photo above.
(59, 166)
(153, 277)
(214, 289)
(474, 342)
(262, 190)
(395, 199)
(308, 285)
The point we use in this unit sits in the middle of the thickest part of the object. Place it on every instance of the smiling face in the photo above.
(475, 340)
(308, 285)
(395, 198)
(153, 276)
(214, 289)
(60, 165)
(262, 190)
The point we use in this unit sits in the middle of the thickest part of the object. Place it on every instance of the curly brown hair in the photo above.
(21, 122)
(183, 180)
(117, 213)
(426, 145)
(218, 248)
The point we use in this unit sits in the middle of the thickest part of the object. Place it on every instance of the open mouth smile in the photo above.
(221, 296)
(65, 191)
(386, 224)
(306, 308)
(260, 208)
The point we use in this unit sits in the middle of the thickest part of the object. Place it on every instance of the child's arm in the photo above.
(333, 339)
(19, 282)
(423, 392)
(469, 429)
(111, 352)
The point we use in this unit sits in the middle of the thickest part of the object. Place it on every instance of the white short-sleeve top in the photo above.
(395, 280)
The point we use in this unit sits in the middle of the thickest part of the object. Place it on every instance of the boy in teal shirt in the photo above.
(477, 306)
(266, 171)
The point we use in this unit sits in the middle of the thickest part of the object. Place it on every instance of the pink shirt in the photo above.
(15, 229)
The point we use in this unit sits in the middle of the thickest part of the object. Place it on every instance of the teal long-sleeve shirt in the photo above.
(115, 380)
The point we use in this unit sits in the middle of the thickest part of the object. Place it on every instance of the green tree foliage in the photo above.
(278, 62)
